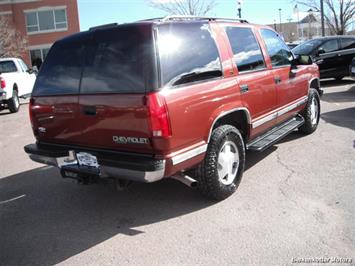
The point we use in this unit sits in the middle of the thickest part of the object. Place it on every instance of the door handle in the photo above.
(244, 88)
(89, 110)
(277, 80)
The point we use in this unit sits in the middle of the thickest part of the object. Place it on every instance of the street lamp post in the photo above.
(239, 9)
(310, 16)
(280, 20)
(296, 11)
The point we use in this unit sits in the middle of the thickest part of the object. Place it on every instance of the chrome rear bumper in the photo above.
(146, 171)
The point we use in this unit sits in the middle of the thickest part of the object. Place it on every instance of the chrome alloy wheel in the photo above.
(314, 111)
(228, 163)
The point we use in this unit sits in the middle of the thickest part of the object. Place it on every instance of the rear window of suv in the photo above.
(120, 60)
(188, 53)
(60, 73)
(108, 60)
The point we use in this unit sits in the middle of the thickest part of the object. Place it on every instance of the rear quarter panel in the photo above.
(193, 108)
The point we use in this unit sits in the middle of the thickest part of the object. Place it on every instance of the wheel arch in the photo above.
(315, 84)
(238, 117)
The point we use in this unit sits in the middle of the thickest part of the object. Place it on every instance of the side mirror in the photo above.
(302, 60)
(30, 71)
(320, 51)
(305, 60)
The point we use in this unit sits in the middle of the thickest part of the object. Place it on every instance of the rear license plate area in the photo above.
(87, 160)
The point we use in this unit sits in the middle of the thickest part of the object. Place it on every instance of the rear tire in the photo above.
(14, 102)
(221, 171)
(311, 113)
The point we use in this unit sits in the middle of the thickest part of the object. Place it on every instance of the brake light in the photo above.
(2, 83)
(158, 116)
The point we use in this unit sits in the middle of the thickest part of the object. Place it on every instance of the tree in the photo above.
(12, 42)
(338, 14)
(184, 7)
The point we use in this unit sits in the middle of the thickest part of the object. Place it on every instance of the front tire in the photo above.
(311, 113)
(221, 171)
(14, 102)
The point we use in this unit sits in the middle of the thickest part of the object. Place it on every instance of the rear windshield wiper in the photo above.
(195, 76)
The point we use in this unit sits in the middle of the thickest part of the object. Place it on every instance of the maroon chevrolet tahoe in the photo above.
(180, 97)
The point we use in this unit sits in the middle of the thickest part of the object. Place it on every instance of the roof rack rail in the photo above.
(103, 26)
(183, 17)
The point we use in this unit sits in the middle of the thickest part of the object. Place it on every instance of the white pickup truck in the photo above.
(16, 80)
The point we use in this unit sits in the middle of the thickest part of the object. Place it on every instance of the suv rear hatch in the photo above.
(92, 90)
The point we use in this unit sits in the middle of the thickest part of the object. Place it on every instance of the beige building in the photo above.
(307, 28)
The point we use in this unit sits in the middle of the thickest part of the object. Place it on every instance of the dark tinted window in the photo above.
(7, 67)
(348, 43)
(278, 51)
(307, 48)
(246, 51)
(329, 46)
(117, 60)
(188, 53)
(60, 72)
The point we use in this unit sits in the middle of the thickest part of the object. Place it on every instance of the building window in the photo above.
(38, 56)
(47, 20)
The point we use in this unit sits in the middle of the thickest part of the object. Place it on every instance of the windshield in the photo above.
(7, 67)
(306, 48)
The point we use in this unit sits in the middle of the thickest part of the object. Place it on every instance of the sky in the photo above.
(98, 12)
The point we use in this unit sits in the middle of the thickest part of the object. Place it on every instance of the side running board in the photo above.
(275, 134)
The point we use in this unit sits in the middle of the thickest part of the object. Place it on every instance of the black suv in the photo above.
(333, 55)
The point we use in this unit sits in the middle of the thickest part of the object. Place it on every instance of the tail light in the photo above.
(39, 109)
(158, 116)
(2, 83)
(30, 109)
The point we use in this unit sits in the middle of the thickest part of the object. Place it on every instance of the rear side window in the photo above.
(246, 50)
(347, 43)
(61, 70)
(119, 60)
(277, 49)
(7, 67)
(188, 53)
(329, 46)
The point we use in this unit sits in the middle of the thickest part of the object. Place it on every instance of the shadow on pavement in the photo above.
(342, 96)
(341, 118)
(45, 219)
(332, 82)
(4, 112)
(253, 157)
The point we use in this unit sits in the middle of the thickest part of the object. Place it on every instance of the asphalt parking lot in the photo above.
(296, 200)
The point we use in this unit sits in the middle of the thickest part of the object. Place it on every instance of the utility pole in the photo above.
(322, 17)
(280, 20)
